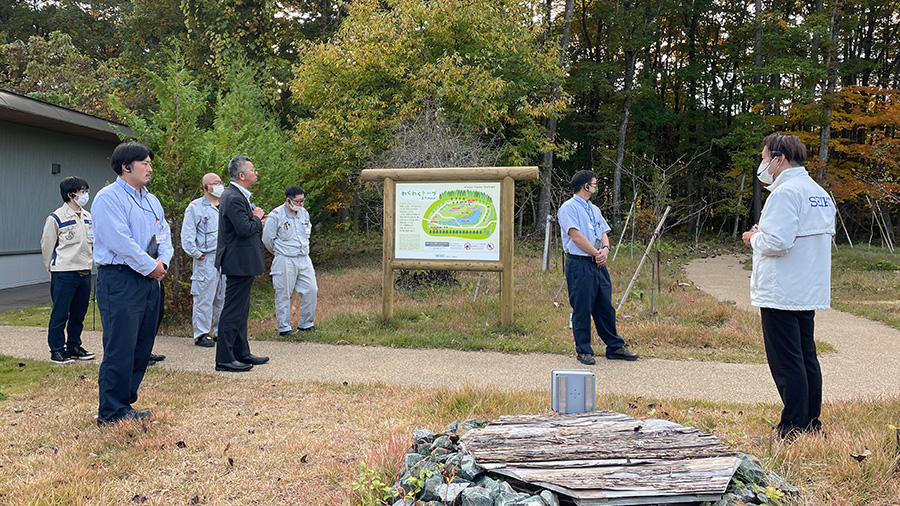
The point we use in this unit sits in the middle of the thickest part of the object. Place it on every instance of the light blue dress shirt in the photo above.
(125, 220)
(583, 216)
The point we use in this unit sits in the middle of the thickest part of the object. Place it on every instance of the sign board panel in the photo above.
(447, 221)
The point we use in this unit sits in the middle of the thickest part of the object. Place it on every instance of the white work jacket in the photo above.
(286, 233)
(792, 252)
(200, 228)
(67, 243)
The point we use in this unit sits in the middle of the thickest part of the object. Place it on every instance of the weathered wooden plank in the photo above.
(605, 457)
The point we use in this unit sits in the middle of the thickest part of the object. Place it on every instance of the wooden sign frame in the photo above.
(506, 176)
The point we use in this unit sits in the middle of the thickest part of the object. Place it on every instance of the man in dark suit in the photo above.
(240, 256)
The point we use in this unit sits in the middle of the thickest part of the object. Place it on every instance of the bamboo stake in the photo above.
(545, 262)
(843, 225)
(622, 235)
(646, 252)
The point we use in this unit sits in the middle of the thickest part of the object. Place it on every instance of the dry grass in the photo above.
(218, 440)
(685, 324)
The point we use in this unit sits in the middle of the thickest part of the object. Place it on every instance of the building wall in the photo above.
(31, 191)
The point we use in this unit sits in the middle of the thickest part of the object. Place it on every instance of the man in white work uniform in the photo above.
(286, 235)
(199, 237)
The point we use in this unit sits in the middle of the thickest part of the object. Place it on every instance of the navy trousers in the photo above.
(590, 295)
(71, 294)
(791, 353)
(129, 308)
(232, 342)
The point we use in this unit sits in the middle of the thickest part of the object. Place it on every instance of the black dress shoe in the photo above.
(204, 341)
(287, 333)
(253, 359)
(131, 414)
(134, 414)
(155, 359)
(233, 366)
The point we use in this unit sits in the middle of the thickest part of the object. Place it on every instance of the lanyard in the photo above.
(142, 208)
(590, 211)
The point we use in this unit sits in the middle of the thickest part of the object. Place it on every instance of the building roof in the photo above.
(27, 111)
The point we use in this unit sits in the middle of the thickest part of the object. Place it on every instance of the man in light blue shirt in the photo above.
(585, 240)
(132, 250)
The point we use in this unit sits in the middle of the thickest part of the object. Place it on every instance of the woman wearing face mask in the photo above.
(792, 278)
(67, 250)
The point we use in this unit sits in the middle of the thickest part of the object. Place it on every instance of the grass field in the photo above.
(221, 440)
(218, 440)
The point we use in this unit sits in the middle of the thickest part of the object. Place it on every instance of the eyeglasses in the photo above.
(298, 202)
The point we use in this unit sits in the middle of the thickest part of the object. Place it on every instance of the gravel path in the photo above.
(865, 364)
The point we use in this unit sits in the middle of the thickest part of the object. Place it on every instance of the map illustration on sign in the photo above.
(447, 221)
(461, 213)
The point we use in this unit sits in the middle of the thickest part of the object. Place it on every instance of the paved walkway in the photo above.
(865, 364)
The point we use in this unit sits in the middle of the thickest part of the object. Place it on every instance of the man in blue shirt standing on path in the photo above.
(132, 250)
(585, 240)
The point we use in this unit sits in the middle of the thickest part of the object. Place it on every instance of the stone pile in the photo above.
(751, 484)
(436, 472)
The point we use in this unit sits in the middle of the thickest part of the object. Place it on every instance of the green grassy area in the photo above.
(866, 282)
(19, 375)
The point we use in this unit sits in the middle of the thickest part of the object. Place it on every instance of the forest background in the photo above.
(667, 101)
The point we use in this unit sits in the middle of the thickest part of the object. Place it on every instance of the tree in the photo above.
(184, 150)
(481, 63)
(55, 71)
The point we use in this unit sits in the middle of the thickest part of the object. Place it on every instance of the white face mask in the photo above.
(217, 190)
(294, 208)
(763, 173)
(82, 199)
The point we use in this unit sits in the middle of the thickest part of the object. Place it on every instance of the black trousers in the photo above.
(71, 294)
(791, 353)
(590, 295)
(232, 344)
(129, 308)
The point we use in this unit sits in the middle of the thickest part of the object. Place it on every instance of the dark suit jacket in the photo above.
(239, 251)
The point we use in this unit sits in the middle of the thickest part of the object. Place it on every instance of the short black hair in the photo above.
(129, 152)
(581, 178)
(236, 166)
(793, 149)
(292, 191)
(71, 184)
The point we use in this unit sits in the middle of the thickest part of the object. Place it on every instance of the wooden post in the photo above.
(387, 251)
(507, 203)
(505, 176)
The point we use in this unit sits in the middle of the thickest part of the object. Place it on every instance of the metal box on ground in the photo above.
(572, 391)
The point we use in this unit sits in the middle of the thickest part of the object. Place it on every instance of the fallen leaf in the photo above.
(859, 457)
(304, 458)
(230, 462)
(227, 446)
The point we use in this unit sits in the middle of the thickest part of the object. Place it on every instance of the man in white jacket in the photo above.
(199, 238)
(286, 235)
(792, 278)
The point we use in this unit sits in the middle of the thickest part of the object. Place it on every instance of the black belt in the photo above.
(579, 257)
(118, 267)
